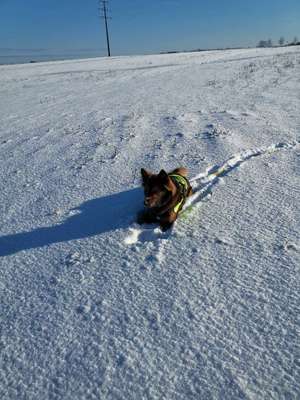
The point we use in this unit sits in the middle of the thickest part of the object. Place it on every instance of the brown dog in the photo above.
(165, 195)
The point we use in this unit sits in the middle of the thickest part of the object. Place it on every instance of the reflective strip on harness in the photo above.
(178, 206)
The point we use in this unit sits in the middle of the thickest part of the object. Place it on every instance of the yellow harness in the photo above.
(183, 185)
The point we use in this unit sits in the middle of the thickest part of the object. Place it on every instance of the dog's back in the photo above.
(180, 171)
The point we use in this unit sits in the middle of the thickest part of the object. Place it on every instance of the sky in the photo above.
(73, 27)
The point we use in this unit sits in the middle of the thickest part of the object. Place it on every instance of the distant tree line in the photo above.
(261, 43)
(281, 42)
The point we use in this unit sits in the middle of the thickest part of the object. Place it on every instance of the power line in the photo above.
(104, 14)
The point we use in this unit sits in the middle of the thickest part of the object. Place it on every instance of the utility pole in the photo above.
(104, 11)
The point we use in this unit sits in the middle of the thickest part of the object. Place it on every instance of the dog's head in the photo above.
(158, 188)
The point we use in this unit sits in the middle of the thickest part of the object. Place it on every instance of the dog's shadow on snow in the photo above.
(91, 218)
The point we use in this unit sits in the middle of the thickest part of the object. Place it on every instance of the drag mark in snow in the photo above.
(204, 182)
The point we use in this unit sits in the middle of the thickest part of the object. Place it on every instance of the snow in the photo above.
(94, 306)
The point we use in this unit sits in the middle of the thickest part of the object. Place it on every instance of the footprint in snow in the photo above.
(149, 234)
(133, 236)
(6, 142)
(76, 258)
(215, 130)
(84, 308)
(73, 259)
(289, 246)
(223, 241)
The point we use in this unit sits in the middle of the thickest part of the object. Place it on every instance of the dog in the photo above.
(164, 196)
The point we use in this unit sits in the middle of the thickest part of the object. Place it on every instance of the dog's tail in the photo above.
(180, 171)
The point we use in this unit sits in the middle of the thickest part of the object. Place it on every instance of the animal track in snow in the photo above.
(133, 236)
(288, 246)
(215, 130)
(204, 182)
(153, 234)
(76, 258)
(5, 142)
(142, 234)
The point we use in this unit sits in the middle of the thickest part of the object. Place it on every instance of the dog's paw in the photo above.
(165, 226)
(146, 217)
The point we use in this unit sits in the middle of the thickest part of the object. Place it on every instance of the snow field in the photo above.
(95, 306)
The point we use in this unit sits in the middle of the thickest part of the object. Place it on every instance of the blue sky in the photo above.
(142, 26)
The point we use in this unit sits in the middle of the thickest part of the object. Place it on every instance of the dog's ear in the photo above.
(164, 177)
(145, 175)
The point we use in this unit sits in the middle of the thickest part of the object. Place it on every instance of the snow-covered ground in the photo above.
(94, 306)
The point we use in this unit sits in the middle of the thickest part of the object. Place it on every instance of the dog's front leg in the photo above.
(167, 220)
(146, 217)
